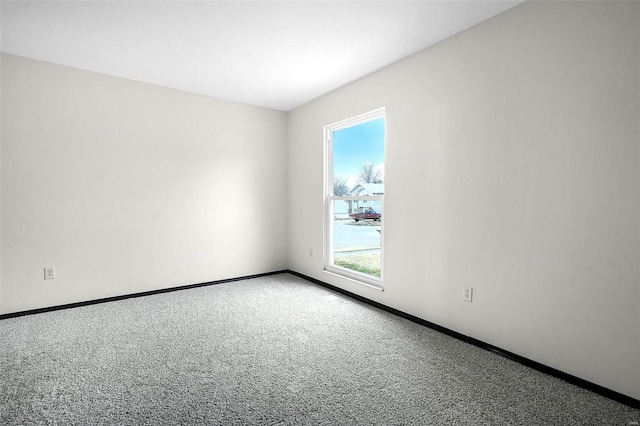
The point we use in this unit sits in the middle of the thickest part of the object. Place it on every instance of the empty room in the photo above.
(320, 212)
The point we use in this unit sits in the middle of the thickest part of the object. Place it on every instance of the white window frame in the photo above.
(329, 200)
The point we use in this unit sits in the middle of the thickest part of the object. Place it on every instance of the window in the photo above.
(354, 197)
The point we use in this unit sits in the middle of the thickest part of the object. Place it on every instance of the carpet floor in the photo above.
(275, 350)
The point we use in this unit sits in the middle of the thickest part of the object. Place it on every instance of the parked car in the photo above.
(368, 213)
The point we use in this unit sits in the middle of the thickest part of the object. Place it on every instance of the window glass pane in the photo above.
(358, 159)
(357, 235)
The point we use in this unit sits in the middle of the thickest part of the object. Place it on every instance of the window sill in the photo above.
(355, 278)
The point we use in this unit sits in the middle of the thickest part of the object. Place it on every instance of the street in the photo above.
(349, 237)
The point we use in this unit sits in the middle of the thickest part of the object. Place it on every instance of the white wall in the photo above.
(125, 187)
(512, 166)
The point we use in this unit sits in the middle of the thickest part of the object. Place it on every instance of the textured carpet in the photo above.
(273, 350)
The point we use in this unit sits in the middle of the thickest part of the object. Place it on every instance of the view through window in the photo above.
(355, 197)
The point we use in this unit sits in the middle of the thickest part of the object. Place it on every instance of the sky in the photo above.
(356, 145)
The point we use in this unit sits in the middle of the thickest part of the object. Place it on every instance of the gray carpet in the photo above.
(274, 350)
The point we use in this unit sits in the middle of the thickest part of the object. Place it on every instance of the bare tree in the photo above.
(340, 187)
(370, 174)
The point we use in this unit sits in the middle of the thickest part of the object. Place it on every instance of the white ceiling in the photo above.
(274, 54)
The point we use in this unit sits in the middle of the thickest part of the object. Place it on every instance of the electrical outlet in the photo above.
(467, 293)
(49, 273)
(310, 252)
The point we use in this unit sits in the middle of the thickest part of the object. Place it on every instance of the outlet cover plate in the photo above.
(467, 293)
(49, 273)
